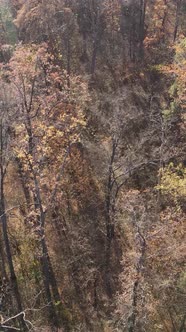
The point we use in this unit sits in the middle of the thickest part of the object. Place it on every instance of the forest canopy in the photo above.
(92, 165)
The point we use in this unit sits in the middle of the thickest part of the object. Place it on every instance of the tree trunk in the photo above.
(23, 182)
(50, 282)
(142, 27)
(68, 59)
(3, 220)
(13, 277)
(2, 258)
(110, 229)
(139, 268)
(178, 7)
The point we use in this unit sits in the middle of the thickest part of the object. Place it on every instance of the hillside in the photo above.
(92, 165)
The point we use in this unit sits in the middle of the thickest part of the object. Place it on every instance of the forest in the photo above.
(93, 165)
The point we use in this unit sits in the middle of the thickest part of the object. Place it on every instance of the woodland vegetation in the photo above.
(93, 165)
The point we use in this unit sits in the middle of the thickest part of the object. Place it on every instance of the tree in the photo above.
(48, 118)
(5, 136)
(133, 29)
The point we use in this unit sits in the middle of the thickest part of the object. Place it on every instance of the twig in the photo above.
(14, 207)
(9, 327)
